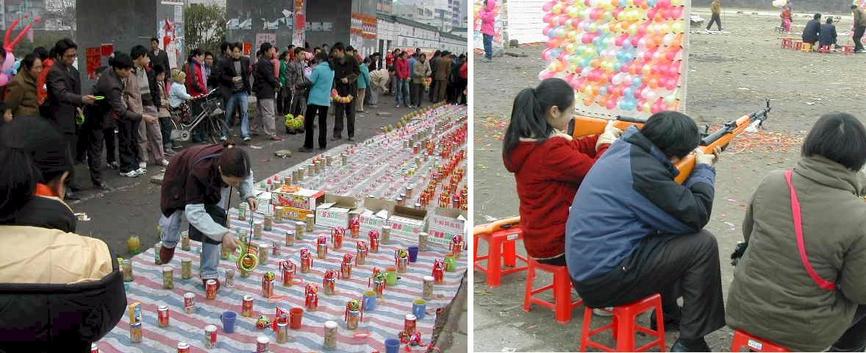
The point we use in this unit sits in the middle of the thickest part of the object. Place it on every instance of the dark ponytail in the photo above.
(529, 112)
(234, 161)
(17, 182)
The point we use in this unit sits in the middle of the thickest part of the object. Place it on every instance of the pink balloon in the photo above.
(586, 38)
(548, 5)
(546, 54)
(548, 18)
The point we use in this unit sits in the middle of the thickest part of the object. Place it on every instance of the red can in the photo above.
(247, 306)
(210, 289)
(182, 347)
(210, 336)
(267, 286)
(94, 348)
(409, 324)
(162, 314)
(288, 268)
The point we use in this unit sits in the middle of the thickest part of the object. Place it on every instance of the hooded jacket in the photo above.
(488, 18)
(548, 174)
(630, 194)
(772, 296)
(21, 96)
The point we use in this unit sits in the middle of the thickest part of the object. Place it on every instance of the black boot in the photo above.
(671, 324)
(691, 345)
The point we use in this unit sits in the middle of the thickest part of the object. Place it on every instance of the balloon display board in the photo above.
(623, 57)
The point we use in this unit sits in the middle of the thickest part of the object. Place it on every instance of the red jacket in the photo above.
(195, 83)
(548, 175)
(402, 69)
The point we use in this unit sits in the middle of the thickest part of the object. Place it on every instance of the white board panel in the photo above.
(525, 21)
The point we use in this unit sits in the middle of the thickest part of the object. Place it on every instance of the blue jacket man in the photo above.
(633, 231)
(812, 30)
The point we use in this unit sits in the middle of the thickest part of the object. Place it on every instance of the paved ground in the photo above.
(133, 207)
(729, 75)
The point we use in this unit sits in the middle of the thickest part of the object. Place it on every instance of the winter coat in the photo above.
(264, 83)
(548, 174)
(192, 178)
(379, 78)
(350, 70)
(443, 69)
(420, 72)
(827, 35)
(160, 59)
(64, 96)
(132, 92)
(402, 69)
(859, 17)
(716, 7)
(322, 80)
(488, 18)
(810, 32)
(195, 81)
(58, 291)
(630, 194)
(772, 296)
(114, 106)
(227, 72)
(46, 211)
(21, 97)
(364, 78)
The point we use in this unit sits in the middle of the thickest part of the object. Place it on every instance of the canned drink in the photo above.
(257, 230)
(210, 336)
(360, 257)
(182, 347)
(282, 332)
(126, 267)
(184, 241)
(275, 248)
(288, 268)
(268, 285)
(189, 303)
(268, 224)
(409, 323)
(386, 235)
(353, 317)
(329, 286)
(427, 291)
(279, 214)
(135, 333)
(402, 264)
(300, 227)
(162, 315)
(379, 287)
(264, 251)
(422, 241)
(262, 344)
(230, 278)
(210, 288)
(94, 348)
(186, 268)
(242, 212)
(322, 251)
(156, 259)
(310, 223)
(330, 335)
(290, 238)
(247, 306)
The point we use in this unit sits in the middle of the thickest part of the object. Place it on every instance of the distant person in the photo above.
(321, 79)
(363, 83)
(859, 27)
(116, 110)
(812, 30)
(716, 8)
(346, 73)
(157, 55)
(443, 72)
(208, 70)
(420, 73)
(21, 99)
(265, 85)
(827, 36)
(402, 75)
(488, 30)
(235, 87)
(787, 18)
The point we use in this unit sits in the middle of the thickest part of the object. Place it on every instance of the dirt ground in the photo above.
(729, 75)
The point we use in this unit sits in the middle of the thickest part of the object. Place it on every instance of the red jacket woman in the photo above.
(402, 69)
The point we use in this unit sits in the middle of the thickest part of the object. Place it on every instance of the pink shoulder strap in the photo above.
(801, 243)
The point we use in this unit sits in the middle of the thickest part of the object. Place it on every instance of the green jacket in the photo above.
(772, 295)
(859, 17)
(284, 73)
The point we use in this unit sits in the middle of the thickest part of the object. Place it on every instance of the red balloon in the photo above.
(554, 43)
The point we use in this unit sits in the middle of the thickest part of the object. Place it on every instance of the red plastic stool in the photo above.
(848, 49)
(624, 326)
(745, 342)
(824, 49)
(501, 237)
(798, 45)
(787, 43)
(561, 286)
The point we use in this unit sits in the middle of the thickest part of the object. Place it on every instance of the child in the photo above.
(548, 164)
(178, 96)
(164, 114)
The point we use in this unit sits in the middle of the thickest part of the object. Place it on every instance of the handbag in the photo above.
(801, 243)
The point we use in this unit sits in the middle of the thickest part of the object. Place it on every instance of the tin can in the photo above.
(262, 344)
(135, 333)
(279, 214)
(268, 285)
(210, 336)
(422, 241)
(242, 212)
(184, 241)
(353, 317)
(379, 287)
(386, 235)
(247, 306)
(374, 241)
(310, 223)
(264, 251)
(94, 348)
(427, 289)
(329, 286)
(282, 332)
(290, 238)
(268, 224)
(156, 259)
(337, 239)
(300, 227)
(189, 303)
(182, 347)
(409, 323)
(306, 261)
(322, 251)
(402, 264)
(210, 289)
(162, 315)
(126, 267)
(360, 257)
(257, 230)
(288, 269)
(230, 278)
(346, 270)
(330, 335)
(186, 269)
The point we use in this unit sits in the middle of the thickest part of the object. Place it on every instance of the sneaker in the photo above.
(102, 187)
(130, 174)
(398, 106)
(247, 139)
(164, 162)
(276, 138)
(223, 138)
(603, 312)
(141, 171)
(142, 165)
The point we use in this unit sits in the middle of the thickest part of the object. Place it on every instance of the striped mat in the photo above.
(385, 321)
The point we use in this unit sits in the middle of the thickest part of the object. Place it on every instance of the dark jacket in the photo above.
(46, 212)
(160, 59)
(113, 107)
(227, 71)
(265, 84)
(630, 194)
(21, 95)
(348, 69)
(810, 32)
(155, 97)
(772, 296)
(827, 35)
(192, 178)
(64, 95)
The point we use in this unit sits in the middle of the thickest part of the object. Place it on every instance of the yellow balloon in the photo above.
(677, 2)
(556, 9)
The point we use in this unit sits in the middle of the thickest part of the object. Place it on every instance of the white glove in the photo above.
(610, 134)
(704, 158)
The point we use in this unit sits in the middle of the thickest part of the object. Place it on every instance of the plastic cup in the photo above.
(369, 302)
(419, 309)
(392, 345)
(413, 253)
(295, 316)
(228, 318)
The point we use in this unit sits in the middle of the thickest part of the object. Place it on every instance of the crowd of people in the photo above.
(824, 35)
(621, 244)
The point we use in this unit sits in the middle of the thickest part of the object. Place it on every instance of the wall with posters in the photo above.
(397, 32)
(262, 21)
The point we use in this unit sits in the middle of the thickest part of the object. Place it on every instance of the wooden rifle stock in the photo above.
(587, 126)
(504, 223)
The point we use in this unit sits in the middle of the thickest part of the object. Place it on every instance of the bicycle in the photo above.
(211, 118)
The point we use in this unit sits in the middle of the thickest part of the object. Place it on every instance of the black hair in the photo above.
(283, 55)
(63, 45)
(839, 137)
(437, 53)
(338, 46)
(830, 19)
(41, 52)
(298, 50)
(265, 47)
(206, 53)
(42, 143)
(350, 48)
(423, 56)
(401, 54)
(291, 46)
(195, 52)
(529, 112)
(224, 46)
(154, 39)
(853, 6)
(158, 69)
(137, 52)
(236, 45)
(817, 16)
(674, 133)
(321, 57)
(417, 50)
(234, 161)
(120, 61)
(17, 182)
(27, 62)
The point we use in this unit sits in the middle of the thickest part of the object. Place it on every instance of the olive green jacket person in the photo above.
(772, 296)
(859, 17)
(21, 95)
(716, 7)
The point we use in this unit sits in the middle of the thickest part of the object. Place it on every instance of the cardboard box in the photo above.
(406, 223)
(334, 212)
(296, 214)
(303, 199)
(444, 224)
(375, 214)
